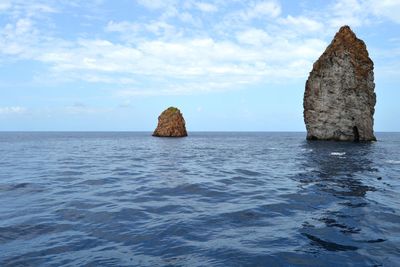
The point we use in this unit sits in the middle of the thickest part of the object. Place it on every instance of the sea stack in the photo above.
(171, 124)
(339, 99)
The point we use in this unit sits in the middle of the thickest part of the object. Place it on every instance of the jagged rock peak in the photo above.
(339, 100)
(171, 124)
(346, 41)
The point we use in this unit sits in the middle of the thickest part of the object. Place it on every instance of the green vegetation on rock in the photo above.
(172, 110)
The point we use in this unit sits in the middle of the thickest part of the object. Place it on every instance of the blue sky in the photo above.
(228, 65)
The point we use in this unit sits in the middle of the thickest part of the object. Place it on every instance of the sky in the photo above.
(228, 65)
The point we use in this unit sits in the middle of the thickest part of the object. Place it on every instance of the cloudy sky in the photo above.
(229, 65)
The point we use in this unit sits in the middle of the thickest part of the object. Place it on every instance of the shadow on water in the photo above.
(337, 174)
(336, 167)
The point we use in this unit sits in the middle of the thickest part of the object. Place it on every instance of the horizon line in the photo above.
(150, 131)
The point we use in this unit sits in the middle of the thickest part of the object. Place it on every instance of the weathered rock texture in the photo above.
(171, 124)
(339, 100)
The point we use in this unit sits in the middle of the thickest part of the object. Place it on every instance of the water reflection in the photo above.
(339, 172)
(338, 168)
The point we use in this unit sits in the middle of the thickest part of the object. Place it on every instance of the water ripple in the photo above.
(212, 199)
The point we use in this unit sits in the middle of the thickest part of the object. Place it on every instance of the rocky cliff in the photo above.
(339, 99)
(171, 124)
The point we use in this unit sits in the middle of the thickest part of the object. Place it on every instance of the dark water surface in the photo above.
(212, 199)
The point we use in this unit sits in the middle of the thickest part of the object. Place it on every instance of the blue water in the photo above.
(212, 199)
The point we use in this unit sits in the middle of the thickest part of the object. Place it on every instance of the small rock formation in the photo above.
(339, 99)
(171, 124)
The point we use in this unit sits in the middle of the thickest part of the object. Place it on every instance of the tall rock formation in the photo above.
(171, 124)
(339, 100)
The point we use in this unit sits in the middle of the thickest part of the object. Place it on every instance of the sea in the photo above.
(211, 199)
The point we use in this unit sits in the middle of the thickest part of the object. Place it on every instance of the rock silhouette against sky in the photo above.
(339, 99)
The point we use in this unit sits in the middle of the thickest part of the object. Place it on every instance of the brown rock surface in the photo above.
(171, 124)
(339, 99)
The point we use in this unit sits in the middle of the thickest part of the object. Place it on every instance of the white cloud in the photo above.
(389, 9)
(206, 7)
(171, 5)
(27, 8)
(302, 23)
(160, 28)
(155, 4)
(80, 108)
(159, 55)
(254, 36)
(188, 57)
(188, 87)
(36, 9)
(23, 26)
(357, 13)
(347, 12)
(188, 18)
(260, 9)
(122, 27)
(5, 5)
(132, 31)
(15, 38)
(12, 110)
(177, 64)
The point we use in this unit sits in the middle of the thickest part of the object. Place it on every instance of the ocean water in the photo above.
(212, 199)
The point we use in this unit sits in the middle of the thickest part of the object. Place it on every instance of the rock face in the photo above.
(171, 124)
(339, 100)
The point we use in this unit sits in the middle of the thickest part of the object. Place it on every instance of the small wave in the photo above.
(330, 246)
(338, 153)
(70, 173)
(379, 240)
(248, 172)
(27, 187)
(393, 161)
